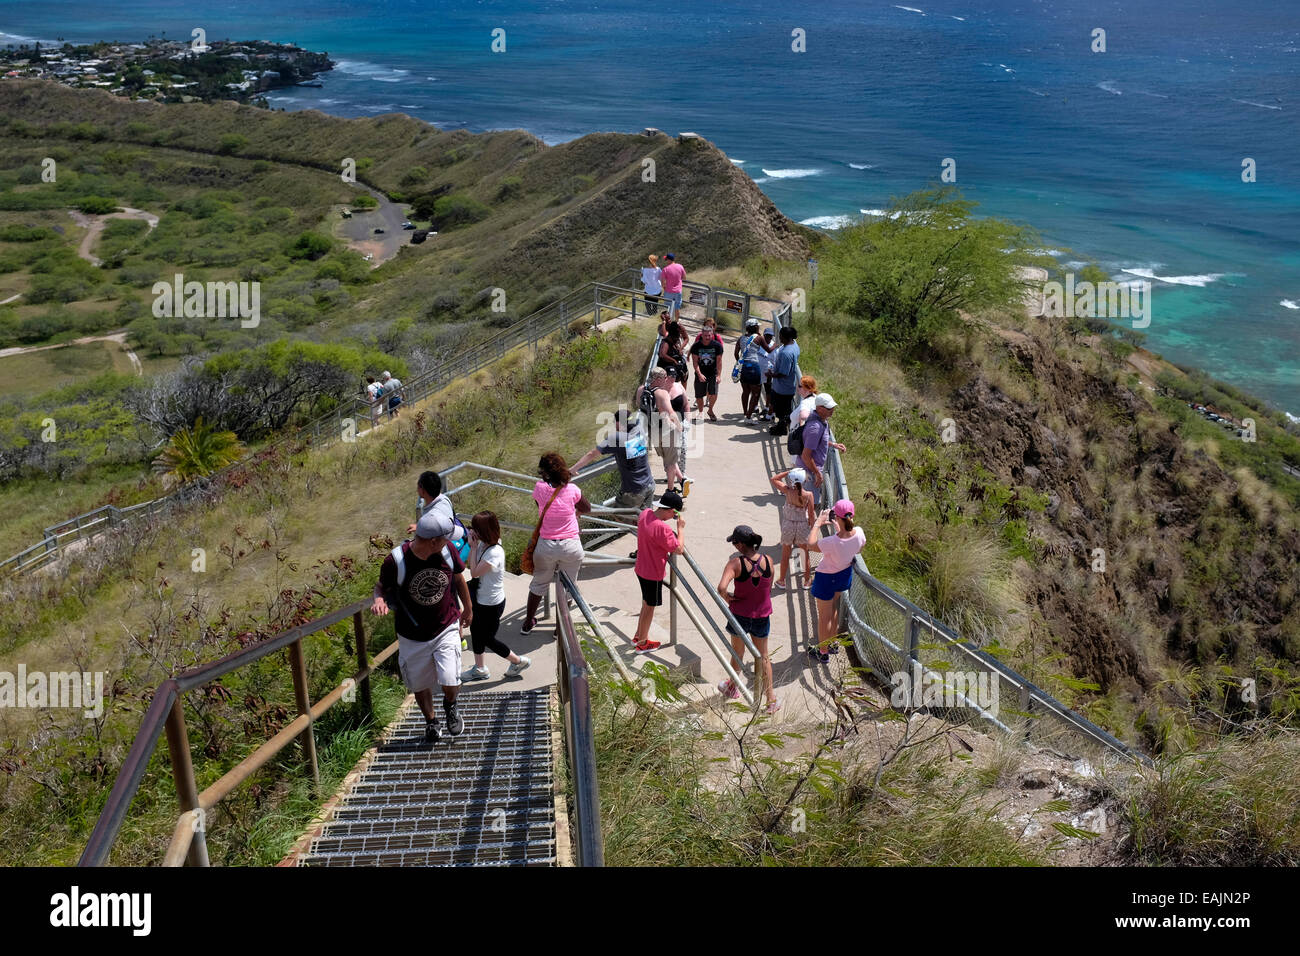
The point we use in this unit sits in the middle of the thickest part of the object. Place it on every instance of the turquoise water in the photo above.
(1131, 157)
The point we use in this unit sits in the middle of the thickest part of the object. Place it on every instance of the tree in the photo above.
(909, 276)
(197, 452)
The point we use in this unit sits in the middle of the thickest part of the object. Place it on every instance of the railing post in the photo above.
(913, 636)
(672, 599)
(187, 790)
(308, 737)
(595, 297)
(363, 661)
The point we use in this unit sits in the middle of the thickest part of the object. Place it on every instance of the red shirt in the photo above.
(654, 541)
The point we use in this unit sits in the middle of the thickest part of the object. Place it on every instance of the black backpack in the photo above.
(647, 405)
(794, 441)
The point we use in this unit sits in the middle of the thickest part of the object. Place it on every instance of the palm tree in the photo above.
(197, 452)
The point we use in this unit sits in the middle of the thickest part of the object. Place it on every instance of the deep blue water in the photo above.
(1131, 157)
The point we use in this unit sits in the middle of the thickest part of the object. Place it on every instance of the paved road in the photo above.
(360, 229)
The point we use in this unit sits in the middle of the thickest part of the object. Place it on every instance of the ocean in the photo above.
(1131, 157)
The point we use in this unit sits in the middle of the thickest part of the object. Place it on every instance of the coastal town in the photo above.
(170, 71)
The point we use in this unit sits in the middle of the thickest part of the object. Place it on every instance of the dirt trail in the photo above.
(118, 337)
(94, 225)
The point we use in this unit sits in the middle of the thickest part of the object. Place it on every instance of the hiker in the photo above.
(630, 447)
(655, 541)
(487, 568)
(785, 379)
(803, 406)
(797, 516)
(671, 355)
(672, 275)
(816, 442)
(429, 488)
(392, 392)
(431, 602)
(751, 605)
(748, 349)
(706, 356)
(765, 360)
(666, 411)
(559, 502)
(652, 282)
(834, 573)
(374, 391)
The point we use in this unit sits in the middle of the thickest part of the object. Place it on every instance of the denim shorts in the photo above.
(758, 627)
(826, 586)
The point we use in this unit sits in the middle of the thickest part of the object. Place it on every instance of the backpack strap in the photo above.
(399, 559)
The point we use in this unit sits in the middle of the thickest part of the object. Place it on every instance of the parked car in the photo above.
(408, 225)
(377, 231)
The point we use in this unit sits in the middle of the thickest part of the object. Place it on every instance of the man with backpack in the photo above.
(814, 439)
(423, 585)
(631, 450)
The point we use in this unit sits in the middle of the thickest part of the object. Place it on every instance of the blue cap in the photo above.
(671, 256)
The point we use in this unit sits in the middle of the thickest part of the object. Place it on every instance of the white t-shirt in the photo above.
(652, 280)
(765, 360)
(803, 409)
(492, 587)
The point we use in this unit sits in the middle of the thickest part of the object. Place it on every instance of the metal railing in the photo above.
(166, 715)
(893, 636)
(579, 735)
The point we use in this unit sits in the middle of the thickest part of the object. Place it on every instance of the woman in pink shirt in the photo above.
(834, 573)
(559, 502)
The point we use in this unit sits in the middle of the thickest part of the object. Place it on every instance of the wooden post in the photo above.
(308, 737)
(187, 790)
(363, 659)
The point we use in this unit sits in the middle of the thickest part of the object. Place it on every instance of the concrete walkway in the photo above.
(729, 487)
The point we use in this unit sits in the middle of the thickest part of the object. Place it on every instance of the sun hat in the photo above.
(843, 508)
(823, 400)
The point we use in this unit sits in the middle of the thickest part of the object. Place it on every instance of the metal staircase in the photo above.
(485, 798)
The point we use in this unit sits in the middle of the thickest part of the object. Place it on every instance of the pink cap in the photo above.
(843, 508)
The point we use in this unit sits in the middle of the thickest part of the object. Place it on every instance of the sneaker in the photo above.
(431, 732)
(475, 673)
(728, 689)
(647, 645)
(528, 625)
(455, 722)
(817, 656)
(514, 670)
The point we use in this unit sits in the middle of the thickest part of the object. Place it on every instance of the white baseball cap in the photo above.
(823, 400)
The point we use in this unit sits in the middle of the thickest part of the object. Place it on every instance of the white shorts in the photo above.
(425, 664)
